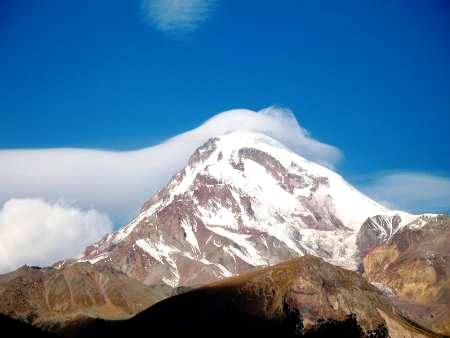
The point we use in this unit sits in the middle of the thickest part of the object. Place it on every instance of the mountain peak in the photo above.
(243, 200)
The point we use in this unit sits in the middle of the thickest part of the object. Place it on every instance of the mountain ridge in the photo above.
(49, 297)
(303, 297)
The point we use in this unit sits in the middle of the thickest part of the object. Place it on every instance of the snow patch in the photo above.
(95, 259)
(161, 252)
(384, 289)
(190, 236)
(247, 252)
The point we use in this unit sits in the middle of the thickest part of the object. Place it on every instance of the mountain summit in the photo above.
(244, 200)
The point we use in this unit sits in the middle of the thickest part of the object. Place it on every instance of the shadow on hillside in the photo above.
(196, 314)
(230, 324)
(14, 328)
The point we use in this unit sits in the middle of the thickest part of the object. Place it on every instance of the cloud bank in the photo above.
(36, 232)
(414, 192)
(177, 16)
(119, 182)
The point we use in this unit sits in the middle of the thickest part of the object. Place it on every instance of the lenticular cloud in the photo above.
(118, 182)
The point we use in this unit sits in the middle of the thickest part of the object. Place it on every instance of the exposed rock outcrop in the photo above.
(415, 265)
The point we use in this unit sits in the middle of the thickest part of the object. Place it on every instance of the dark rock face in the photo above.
(415, 264)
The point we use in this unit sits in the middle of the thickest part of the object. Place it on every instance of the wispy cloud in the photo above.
(414, 192)
(119, 182)
(36, 232)
(178, 16)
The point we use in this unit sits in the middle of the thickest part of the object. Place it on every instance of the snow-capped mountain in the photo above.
(244, 200)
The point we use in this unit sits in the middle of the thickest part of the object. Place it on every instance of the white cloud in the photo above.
(414, 192)
(119, 182)
(36, 232)
(177, 16)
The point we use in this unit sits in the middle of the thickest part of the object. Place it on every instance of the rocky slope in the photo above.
(242, 201)
(273, 302)
(415, 265)
(50, 297)
(376, 230)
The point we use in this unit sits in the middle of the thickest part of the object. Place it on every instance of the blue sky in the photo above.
(371, 78)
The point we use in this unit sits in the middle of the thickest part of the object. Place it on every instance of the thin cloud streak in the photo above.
(414, 192)
(177, 16)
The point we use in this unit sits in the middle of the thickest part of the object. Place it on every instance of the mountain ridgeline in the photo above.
(304, 297)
